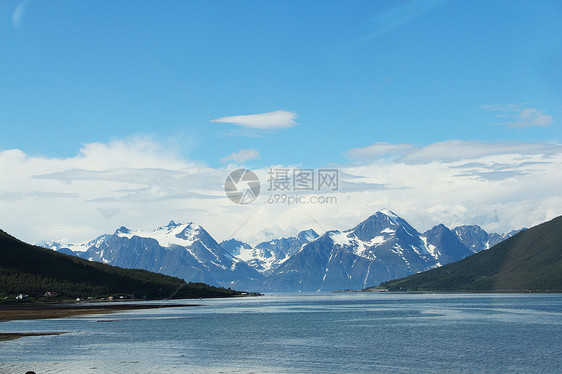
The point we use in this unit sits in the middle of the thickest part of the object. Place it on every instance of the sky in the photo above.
(133, 113)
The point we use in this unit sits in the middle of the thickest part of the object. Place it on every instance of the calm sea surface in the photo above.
(304, 333)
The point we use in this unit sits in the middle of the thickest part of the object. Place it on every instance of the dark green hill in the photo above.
(31, 270)
(530, 260)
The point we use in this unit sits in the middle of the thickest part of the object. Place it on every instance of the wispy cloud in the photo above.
(242, 156)
(518, 116)
(449, 151)
(278, 119)
(379, 150)
(18, 13)
(382, 23)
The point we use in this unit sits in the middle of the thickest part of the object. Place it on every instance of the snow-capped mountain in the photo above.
(444, 246)
(268, 256)
(382, 247)
(73, 249)
(183, 250)
(476, 239)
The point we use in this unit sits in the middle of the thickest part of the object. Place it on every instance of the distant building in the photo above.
(21, 296)
(50, 294)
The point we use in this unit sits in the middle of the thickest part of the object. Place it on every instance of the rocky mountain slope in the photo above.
(183, 250)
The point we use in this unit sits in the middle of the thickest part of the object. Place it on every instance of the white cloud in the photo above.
(135, 182)
(242, 156)
(265, 121)
(501, 186)
(519, 116)
(142, 184)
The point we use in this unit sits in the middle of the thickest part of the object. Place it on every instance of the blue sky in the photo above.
(75, 74)
(80, 72)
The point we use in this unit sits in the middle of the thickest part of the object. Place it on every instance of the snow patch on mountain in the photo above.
(430, 248)
(268, 256)
(74, 247)
(340, 238)
(173, 234)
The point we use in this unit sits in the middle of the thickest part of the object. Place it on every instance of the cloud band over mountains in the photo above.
(141, 183)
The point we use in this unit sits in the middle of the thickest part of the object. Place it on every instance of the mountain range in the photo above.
(381, 248)
(528, 261)
(183, 250)
(28, 269)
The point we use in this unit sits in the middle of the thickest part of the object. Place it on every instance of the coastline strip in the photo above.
(44, 311)
(4, 336)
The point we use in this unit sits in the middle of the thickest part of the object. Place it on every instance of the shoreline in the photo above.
(522, 292)
(5, 336)
(47, 311)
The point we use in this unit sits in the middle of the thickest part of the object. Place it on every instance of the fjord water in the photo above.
(312, 333)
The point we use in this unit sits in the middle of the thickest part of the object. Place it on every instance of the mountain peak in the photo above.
(122, 230)
(232, 245)
(191, 232)
(307, 235)
(439, 228)
(172, 234)
(170, 226)
(449, 247)
(384, 221)
(388, 212)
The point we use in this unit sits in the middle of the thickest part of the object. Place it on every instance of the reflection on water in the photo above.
(313, 333)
